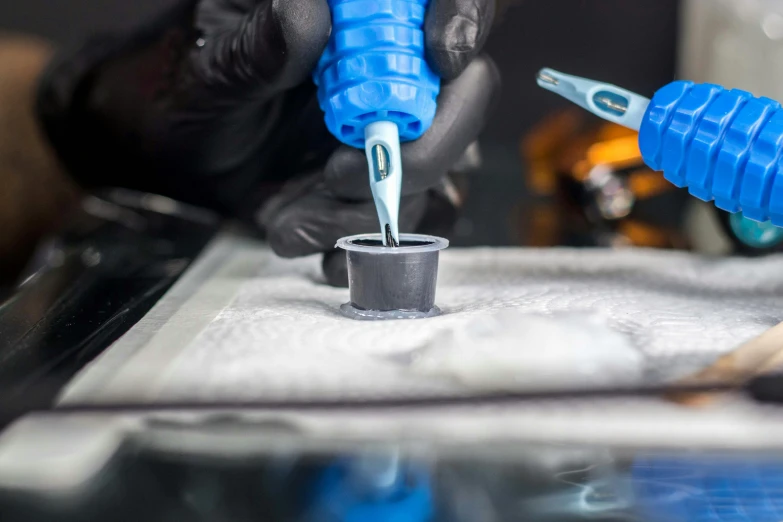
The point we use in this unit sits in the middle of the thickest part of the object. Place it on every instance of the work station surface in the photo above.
(243, 325)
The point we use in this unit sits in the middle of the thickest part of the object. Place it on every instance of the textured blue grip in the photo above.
(374, 69)
(724, 145)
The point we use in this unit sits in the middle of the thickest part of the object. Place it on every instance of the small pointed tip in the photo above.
(547, 76)
(388, 223)
(390, 240)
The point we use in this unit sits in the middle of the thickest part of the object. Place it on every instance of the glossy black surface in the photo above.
(89, 285)
(551, 485)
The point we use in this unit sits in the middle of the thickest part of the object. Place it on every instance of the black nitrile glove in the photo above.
(213, 104)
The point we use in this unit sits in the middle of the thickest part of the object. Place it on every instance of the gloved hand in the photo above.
(212, 104)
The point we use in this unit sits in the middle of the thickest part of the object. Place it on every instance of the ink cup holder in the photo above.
(392, 282)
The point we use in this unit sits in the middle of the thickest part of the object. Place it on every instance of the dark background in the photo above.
(631, 43)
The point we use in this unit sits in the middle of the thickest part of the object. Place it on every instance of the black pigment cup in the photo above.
(392, 283)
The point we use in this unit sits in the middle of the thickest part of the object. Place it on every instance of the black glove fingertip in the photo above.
(305, 27)
(455, 32)
(268, 50)
(346, 174)
(335, 268)
(288, 235)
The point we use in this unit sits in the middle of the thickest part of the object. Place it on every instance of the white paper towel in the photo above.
(278, 332)
(496, 351)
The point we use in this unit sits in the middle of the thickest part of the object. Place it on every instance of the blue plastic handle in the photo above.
(724, 145)
(374, 69)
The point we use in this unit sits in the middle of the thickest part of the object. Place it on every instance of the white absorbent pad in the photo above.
(243, 324)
